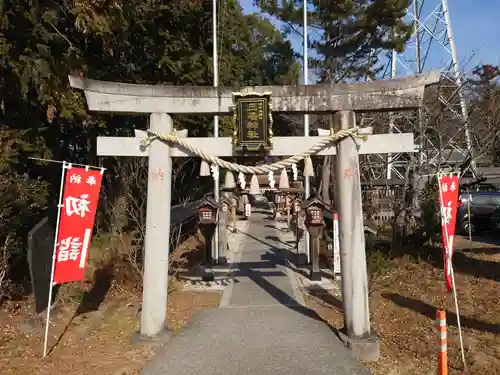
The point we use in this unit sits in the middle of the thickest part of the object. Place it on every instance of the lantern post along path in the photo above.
(160, 101)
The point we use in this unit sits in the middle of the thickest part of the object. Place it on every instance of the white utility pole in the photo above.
(307, 181)
(216, 118)
(391, 118)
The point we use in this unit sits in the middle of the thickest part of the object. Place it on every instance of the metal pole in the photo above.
(418, 57)
(459, 83)
(416, 31)
(49, 303)
(216, 118)
(307, 182)
(391, 118)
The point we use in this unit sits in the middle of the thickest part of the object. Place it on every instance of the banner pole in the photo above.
(60, 162)
(450, 267)
(49, 303)
(468, 217)
(458, 316)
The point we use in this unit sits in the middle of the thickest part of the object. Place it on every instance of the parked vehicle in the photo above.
(495, 219)
(482, 206)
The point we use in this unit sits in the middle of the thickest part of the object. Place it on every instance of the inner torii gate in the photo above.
(160, 101)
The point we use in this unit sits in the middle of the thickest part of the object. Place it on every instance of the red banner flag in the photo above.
(448, 202)
(79, 205)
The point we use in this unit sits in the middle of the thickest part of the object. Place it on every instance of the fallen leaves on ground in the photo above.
(96, 342)
(403, 310)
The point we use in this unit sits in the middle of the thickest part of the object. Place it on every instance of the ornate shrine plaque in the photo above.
(252, 122)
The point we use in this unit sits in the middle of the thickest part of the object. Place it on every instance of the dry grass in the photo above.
(94, 339)
(403, 312)
(403, 307)
(96, 342)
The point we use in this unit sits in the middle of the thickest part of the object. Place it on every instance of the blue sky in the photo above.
(475, 27)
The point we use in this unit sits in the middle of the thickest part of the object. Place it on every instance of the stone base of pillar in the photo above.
(301, 259)
(222, 260)
(314, 275)
(301, 245)
(206, 273)
(158, 340)
(365, 349)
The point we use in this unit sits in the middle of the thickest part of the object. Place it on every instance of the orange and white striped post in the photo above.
(442, 342)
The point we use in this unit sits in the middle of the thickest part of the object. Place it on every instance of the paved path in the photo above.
(261, 326)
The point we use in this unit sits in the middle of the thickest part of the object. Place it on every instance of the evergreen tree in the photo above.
(484, 104)
(135, 41)
(347, 36)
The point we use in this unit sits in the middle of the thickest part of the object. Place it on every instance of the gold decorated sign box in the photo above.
(252, 120)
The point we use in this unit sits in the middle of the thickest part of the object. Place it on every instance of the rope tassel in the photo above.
(254, 185)
(284, 184)
(308, 167)
(204, 169)
(229, 182)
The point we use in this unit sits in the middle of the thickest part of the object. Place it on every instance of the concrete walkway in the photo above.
(261, 327)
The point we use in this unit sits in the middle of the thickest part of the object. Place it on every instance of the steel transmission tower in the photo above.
(431, 47)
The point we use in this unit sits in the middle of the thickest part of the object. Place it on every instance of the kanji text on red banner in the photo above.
(79, 205)
(448, 202)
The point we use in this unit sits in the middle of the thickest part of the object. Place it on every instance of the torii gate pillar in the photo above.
(157, 236)
(357, 333)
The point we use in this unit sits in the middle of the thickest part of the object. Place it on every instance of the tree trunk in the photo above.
(328, 175)
(92, 155)
(325, 179)
(333, 176)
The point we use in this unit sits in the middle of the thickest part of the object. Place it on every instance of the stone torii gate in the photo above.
(160, 101)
